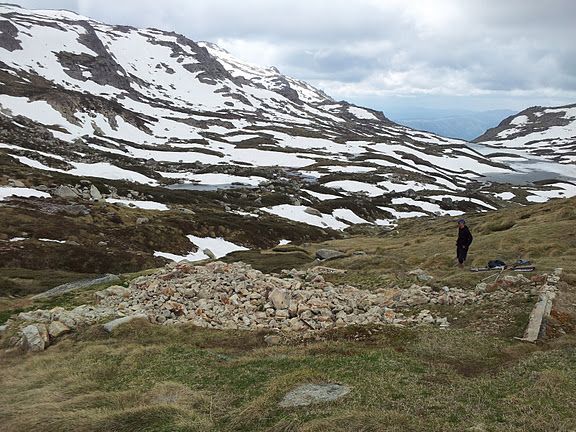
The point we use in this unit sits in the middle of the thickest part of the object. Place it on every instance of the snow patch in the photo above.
(145, 205)
(11, 192)
(218, 246)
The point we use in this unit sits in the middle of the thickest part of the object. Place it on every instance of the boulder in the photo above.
(65, 192)
(16, 183)
(326, 254)
(57, 328)
(313, 211)
(280, 298)
(114, 324)
(209, 253)
(95, 193)
(142, 220)
(421, 275)
(34, 337)
(273, 339)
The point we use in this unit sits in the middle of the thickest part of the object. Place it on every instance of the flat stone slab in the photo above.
(81, 284)
(114, 324)
(308, 394)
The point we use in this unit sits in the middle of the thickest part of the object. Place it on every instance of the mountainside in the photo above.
(465, 125)
(137, 146)
(545, 132)
(157, 108)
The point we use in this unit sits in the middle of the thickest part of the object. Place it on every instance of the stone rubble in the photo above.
(235, 296)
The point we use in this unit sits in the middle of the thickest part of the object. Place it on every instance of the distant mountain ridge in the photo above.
(545, 132)
(465, 125)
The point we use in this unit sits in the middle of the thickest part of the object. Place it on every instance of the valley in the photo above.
(187, 239)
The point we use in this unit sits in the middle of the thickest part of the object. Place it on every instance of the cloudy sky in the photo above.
(391, 55)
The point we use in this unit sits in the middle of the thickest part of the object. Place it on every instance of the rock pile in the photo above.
(235, 296)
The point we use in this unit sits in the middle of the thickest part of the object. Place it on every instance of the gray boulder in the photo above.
(209, 253)
(114, 324)
(35, 337)
(57, 328)
(95, 193)
(280, 298)
(326, 254)
(65, 192)
(313, 211)
(421, 275)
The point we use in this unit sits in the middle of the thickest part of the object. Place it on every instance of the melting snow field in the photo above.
(563, 190)
(216, 179)
(10, 192)
(298, 214)
(218, 246)
(145, 205)
(333, 221)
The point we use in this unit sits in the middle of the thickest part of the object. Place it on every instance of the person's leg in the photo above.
(461, 254)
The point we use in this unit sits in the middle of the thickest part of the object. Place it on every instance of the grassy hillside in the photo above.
(474, 376)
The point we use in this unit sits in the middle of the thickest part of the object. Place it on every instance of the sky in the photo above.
(391, 55)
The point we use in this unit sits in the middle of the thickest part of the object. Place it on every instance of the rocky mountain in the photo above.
(156, 108)
(543, 132)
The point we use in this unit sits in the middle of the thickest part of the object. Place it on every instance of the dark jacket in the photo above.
(464, 237)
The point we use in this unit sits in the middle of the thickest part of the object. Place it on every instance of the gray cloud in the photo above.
(512, 51)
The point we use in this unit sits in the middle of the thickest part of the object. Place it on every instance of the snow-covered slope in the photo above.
(548, 133)
(81, 97)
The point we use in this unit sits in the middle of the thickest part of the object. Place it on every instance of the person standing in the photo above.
(463, 243)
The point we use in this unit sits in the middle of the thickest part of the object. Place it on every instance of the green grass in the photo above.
(544, 234)
(473, 377)
(146, 377)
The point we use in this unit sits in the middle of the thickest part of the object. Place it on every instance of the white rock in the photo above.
(33, 338)
(280, 298)
(57, 328)
(114, 324)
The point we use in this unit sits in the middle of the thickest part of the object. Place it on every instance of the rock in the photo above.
(280, 298)
(273, 339)
(117, 290)
(308, 394)
(421, 275)
(114, 324)
(142, 220)
(3, 328)
(16, 183)
(313, 211)
(326, 254)
(57, 328)
(33, 338)
(65, 192)
(81, 284)
(95, 193)
(480, 288)
(209, 253)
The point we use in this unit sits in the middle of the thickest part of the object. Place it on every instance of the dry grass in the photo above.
(544, 234)
(154, 378)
